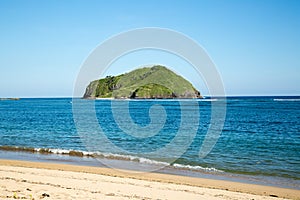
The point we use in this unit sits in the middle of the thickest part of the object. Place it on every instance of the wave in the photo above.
(196, 168)
(44, 150)
(286, 99)
(210, 100)
(111, 156)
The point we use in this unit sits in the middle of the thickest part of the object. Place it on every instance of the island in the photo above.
(9, 99)
(157, 82)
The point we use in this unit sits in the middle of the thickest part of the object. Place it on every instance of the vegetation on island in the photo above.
(144, 83)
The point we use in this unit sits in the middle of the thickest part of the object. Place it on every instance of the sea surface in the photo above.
(260, 139)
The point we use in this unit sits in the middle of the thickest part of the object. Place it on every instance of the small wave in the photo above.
(114, 156)
(43, 150)
(148, 161)
(69, 136)
(129, 158)
(54, 151)
(209, 100)
(286, 99)
(9, 136)
(106, 156)
(15, 148)
(196, 168)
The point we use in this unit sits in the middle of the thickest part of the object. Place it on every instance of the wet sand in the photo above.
(37, 180)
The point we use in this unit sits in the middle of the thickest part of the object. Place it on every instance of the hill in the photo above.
(144, 83)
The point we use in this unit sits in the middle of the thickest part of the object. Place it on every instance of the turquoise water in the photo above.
(261, 135)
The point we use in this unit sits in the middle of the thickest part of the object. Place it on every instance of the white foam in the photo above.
(148, 161)
(197, 168)
(59, 151)
(88, 153)
(133, 159)
(286, 99)
(210, 100)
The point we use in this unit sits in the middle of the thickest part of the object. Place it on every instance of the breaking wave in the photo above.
(107, 156)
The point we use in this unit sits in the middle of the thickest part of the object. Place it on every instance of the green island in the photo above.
(155, 82)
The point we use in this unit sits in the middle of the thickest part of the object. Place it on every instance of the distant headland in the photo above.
(11, 99)
(155, 82)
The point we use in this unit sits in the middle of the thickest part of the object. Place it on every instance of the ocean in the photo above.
(259, 142)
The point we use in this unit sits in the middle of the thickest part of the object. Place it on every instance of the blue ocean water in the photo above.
(260, 137)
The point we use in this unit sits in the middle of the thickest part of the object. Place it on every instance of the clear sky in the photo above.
(255, 44)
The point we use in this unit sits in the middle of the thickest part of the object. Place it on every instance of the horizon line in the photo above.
(205, 96)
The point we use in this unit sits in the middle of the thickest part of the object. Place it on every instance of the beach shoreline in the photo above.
(210, 187)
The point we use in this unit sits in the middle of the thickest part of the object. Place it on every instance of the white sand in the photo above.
(27, 180)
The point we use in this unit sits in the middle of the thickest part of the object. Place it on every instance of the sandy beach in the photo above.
(34, 180)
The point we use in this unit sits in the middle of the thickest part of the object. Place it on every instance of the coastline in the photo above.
(139, 164)
(199, 186)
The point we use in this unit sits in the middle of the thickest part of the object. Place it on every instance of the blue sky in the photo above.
(254, 44)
